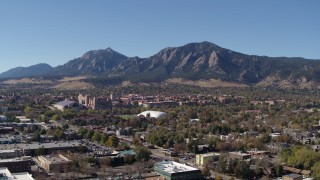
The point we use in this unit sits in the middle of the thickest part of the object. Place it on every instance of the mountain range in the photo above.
(193, 61)
(35, 70)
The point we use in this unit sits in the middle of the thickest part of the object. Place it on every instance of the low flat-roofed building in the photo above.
(25, 120)
(22, 164)
(29, 149)
(174, 171)
(276, 147)
(5, 130)
(239, 155)
(53, 162)
(315, 148)
(5, 174)
(258, 154)
(9, 153)
(6, 140)
(170, 152)
(62, 105)
(292, 177)
(202, 159)
(3, 118)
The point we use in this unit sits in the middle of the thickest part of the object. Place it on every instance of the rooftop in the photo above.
(173, 167)
(154, 114)
(24, 158)
(127, 152)
(67, 144)
(56, 159)
(293, 175)
(239, 153)
(4, 172)
(65, 103)
(209, 154)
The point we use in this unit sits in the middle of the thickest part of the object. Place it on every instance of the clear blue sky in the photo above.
(55, 32)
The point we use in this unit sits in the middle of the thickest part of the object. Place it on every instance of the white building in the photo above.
(202, 159)
(3, 118)
(7, 175)
(64, 104)
(153, 114)
(174, 170)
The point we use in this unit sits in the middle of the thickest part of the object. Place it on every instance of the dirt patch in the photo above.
(27, 81)
(206, 83)
(77, 78)
(73, 85)
(129, 83)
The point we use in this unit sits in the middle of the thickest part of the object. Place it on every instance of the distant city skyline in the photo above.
(55, 32)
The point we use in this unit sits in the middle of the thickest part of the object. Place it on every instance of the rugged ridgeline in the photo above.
(194, 61)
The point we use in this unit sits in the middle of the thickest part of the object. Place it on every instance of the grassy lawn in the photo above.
(127, 116)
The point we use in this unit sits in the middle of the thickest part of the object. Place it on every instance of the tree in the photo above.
(69, 114)
(29, 111)
(89, 134)
(65, 126)
(82, 131)
(96, 136)
(316, 170)
(58, 133)
(181, 148)
(206, 172)
(265, 138)
(74, 163)
(142, 153)
(43, 131)
(285, 154)
(40, 151)
(113, 141)
(279, 170)
(218, 177)
(55, 117)
(242, 169)
(213, 142)
(91, 160)
(222, 164)
(36, 136)
(303, 158)
(104, 138)
(258, 167)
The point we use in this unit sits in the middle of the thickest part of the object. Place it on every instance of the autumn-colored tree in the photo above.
(142, 153)
(113, 141)
(96, 136)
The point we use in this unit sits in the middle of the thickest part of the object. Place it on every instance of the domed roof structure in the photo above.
(153, 114)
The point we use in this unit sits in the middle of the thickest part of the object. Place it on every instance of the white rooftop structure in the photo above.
(6, 174)
(3, 118)
(21, 117)
(174, 167)
(153, 114)
(64, 104)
